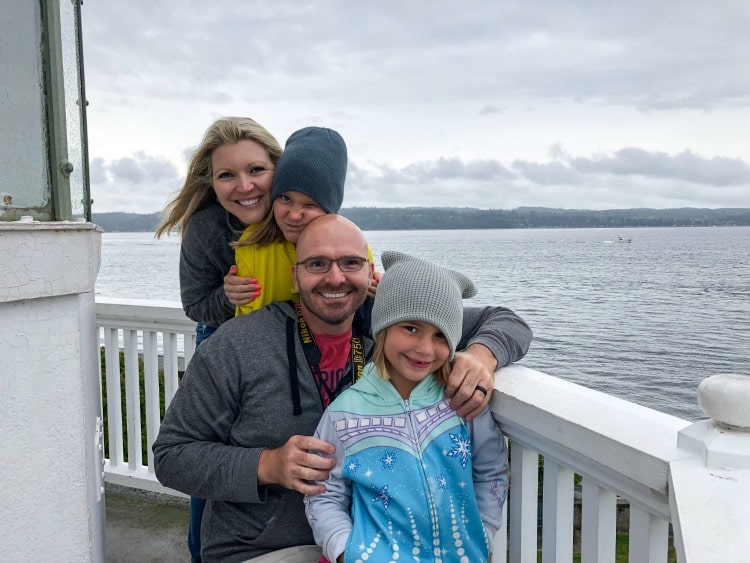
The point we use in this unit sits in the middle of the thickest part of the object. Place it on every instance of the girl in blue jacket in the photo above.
(413, 481)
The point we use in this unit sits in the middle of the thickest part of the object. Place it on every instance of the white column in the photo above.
(710, 485)
(50, 427)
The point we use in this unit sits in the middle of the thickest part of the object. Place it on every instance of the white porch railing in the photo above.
(160, 334)
(695, 477)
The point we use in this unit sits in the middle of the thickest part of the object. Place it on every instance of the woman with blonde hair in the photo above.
(226, 190)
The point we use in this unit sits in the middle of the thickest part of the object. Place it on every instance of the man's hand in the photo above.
(472, 372)
(293, 465)
(240, 291)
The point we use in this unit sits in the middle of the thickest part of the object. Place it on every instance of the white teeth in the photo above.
(333, 295)
(418, 362)
(248, 201)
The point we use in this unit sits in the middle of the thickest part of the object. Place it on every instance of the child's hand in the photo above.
(240, 291)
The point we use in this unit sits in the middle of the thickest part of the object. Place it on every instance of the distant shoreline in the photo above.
(451, 218)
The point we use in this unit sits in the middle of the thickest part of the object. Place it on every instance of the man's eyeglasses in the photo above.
(322, 265)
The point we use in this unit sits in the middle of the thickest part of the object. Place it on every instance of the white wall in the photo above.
(50, 463)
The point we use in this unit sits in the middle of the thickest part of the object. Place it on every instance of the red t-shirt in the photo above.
(335, 352)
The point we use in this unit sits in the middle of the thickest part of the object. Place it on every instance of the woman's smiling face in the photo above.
(242, 173)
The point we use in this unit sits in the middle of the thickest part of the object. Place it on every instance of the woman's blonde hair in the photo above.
(267, 232)
(382, 364)
(197, 192)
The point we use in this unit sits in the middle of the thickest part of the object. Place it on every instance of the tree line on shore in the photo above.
(442, 218)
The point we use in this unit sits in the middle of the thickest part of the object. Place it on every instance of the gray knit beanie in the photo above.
(313, 163)
(413, 289)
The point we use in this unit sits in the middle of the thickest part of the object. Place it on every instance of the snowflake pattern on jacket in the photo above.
(419, 483)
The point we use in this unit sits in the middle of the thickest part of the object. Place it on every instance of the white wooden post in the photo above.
(598, 523)
(524, 467)
(711, 483)
(51, 462)
(557, 513)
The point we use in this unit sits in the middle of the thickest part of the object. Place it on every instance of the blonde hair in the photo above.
(267, 232)
(197, 192)
(382, 364)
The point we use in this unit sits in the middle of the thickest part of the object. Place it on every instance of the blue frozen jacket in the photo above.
(418, 481)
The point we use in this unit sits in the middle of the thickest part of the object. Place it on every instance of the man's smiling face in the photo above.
(330, 300)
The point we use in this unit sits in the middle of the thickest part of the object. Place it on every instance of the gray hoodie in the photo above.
(205, 258)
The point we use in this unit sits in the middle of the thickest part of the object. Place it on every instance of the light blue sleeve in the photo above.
(329, 513)
(489, 470)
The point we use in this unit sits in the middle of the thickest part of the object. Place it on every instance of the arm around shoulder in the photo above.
(499, 329)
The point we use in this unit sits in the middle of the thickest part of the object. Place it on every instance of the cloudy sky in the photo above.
(488, 104)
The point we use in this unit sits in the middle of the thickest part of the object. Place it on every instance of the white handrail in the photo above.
(619, 448)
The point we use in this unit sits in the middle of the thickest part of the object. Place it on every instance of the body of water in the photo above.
(645, 320)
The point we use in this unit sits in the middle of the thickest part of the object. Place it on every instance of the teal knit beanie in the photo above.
(413, 289)
(313, 163)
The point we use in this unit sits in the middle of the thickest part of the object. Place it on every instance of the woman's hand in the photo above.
(374, 281)
(240, 291)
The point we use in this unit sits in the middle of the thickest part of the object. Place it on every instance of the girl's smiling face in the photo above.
(413, 349)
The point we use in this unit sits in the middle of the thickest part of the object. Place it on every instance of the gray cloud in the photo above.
(463, 102)
(141, 169)
(637, 54)
(127, 170)
(137, 183)
(683, 167)
(547, 173)
(630, 177)
(490, 110)
(97, 171)
(449, 169)
(717, 171)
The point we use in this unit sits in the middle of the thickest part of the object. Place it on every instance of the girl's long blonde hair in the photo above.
(197, 192)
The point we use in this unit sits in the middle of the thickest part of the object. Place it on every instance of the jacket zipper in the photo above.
(427, 542)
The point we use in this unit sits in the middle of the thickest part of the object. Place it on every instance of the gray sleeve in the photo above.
(204, 261)
(329, 513)
(490, 471)
(196, 428)
(500, 329)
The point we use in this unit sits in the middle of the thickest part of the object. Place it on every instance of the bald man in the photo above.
(239, 429)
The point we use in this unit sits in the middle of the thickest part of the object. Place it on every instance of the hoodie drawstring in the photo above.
(291, 337)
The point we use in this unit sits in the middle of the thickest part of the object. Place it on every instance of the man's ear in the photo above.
(294, 278)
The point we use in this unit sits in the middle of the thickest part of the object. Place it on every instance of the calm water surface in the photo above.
(646, 321)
